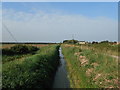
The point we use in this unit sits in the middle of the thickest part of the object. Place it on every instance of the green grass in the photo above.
(103, 75)
(35, 71)
(76, 73)
(107, 67)
(103, 48)
(6, 58)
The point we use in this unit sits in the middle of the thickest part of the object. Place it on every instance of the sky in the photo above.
(58, 21)
(0, 22)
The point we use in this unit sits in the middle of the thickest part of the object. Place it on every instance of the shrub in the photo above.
(32, 48)
(7, 52)
(19, 49)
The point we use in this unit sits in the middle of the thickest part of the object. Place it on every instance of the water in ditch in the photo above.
(61, 80)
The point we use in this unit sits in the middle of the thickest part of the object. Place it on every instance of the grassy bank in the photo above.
(103, 48)
(90, 69)
(36, 71)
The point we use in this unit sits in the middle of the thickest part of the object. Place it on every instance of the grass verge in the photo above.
(36, 71)
(89, 69)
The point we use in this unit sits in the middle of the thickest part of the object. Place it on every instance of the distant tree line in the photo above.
(70, 41)
(25, 43)
(103, 42)
(94, 42)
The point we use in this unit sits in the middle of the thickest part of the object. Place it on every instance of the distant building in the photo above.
(118, 43)
(115, 43)
(81, 42)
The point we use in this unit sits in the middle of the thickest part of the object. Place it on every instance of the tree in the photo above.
(70, 41)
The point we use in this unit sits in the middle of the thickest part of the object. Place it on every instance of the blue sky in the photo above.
(86, 20)
(90, 9)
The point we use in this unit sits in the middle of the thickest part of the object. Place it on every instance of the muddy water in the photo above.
(61, 80)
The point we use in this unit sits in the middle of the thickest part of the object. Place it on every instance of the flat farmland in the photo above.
(10, 45)
(76, 66)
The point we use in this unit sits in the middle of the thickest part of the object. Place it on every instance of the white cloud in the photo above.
(41, 26)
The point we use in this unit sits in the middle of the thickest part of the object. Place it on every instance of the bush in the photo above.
(32, 48)
(7, 52)
(19, 49)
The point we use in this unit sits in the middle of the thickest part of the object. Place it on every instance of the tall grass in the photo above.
(36, 71)
(103, 65)
(6, 58)
(103, 48)
(90, 69)
(76, 73)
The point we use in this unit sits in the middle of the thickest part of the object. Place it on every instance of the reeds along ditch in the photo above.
(90, 69)
(36, 71)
